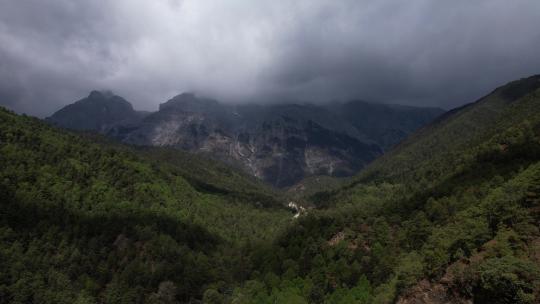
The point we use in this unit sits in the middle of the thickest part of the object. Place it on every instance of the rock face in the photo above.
(280, 144)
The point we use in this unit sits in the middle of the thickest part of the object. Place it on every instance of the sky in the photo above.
(416, 52)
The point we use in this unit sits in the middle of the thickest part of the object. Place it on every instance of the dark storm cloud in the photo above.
(423, 52)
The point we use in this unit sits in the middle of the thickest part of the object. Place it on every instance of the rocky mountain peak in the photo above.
(108, 100)
(100, 111)
(189, 102)
(278, 143)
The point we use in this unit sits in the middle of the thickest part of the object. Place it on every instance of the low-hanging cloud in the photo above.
(420, 52)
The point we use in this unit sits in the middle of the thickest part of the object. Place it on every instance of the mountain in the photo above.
(450, 215)
(280, 144)
(441, 146)
(387, 125)
(100, 111)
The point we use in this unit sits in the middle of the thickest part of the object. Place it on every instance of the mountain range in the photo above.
(451, 214)
(280, 144)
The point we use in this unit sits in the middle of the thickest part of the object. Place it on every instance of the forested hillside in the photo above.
(83, 220)
(449, 216)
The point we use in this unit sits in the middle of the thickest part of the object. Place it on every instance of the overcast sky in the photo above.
(419, 52)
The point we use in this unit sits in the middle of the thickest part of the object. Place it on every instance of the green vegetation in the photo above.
(455, 208)
(86, 222)
(457, 203)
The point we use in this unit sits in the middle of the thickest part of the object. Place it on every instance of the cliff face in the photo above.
(280, 144)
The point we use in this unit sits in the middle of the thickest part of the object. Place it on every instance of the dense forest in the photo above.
(83, 220)
(451, 214)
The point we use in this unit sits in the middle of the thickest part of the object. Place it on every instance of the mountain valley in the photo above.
(449, 215)
(280, 144)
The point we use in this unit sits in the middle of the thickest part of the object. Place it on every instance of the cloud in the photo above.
(417, 52)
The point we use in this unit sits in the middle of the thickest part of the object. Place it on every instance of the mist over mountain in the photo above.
(100, 111)
(448, 215)
(421, 53)
(280, 144)
(319, 152)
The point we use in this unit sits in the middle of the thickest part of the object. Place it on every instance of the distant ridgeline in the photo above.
(280, 144)
(449, 215)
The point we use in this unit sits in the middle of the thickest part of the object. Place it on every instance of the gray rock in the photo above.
(280, 144)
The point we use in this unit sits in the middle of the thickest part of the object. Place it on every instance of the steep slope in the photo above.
(100, 111)
(211, 176)
(440, 147)
(83, 220)
(387, 125)
(449, 216)
(280, 144)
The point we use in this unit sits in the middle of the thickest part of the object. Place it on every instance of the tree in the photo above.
(212, 296)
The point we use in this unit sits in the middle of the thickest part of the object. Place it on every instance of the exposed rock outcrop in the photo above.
(280, 144)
